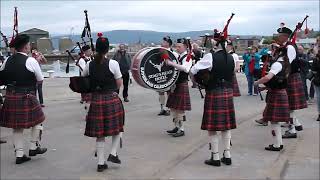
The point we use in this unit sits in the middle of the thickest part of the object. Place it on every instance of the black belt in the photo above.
(18, 89)
(221, 84)
(104, 91)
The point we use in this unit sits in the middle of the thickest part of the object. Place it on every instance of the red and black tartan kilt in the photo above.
(277, 106)
(218, 110)
(21, 111)
(236, 90)
(86, 97)
(180, 98)
(105, 116)
(297, 98)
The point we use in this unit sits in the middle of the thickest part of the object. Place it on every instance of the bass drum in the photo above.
(150, 71)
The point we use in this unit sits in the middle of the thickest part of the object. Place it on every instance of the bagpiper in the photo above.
(85, 58)
(21, 109)
(231, 50)
(166, 43)
(295, 91)
(218, 113)
(276, 81)
(106, 113)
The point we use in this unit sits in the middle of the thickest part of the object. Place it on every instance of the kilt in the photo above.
(86, 97)
(277, 106)
(218, 110)
(21, 111)
(180, 98)
(236, 90)
(297, 98)
(105, 116)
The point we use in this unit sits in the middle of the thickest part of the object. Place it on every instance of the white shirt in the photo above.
(113, 67)
(235, 57)
(275, 68)
(82, 63)
(173, 52)
(186, 65)
(291, 53)
(31, 64)
(205, 63)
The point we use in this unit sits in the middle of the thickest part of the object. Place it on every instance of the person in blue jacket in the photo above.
(252, 68)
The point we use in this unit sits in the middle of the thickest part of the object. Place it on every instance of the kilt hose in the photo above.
(86, 97)
(218, 111)
(236, 90)
(277, 106)
(106, 115)
(297, 98)
(21, 111)
(180, 98)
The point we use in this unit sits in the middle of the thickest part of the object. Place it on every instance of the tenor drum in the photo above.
(150, 71)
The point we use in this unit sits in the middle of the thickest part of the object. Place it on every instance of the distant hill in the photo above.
(135, 36)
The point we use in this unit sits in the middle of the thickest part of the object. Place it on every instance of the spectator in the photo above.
(41, 60)
(252, 68)
(304, 68)
(124, 61)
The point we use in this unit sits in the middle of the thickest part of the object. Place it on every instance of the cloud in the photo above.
(252, 17)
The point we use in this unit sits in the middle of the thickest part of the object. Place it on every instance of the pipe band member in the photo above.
(218, 113)
(21, 109)
(106, 113)
(179, 98)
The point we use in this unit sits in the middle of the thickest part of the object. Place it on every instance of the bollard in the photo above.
(50, 73)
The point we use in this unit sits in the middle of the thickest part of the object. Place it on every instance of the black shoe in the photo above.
(114, 159)
(126, 99)
(102, 167)
(39, 150)
(178, 134)
(261, 122)
(226, 161)
(174, 130)
(299, 128)
(24, 158)
(318, 118)
(164, 113)
(281, 146)
(212, 162)
(2, 141)
(288, 135)
(81, 102)
(272, 148)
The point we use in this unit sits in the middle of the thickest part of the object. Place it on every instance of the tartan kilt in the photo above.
(21, 111)
(297, 98)
(236, 90)
(105, 116)
(86, 97)
(277, 106)
(180, 98)
(218, 110)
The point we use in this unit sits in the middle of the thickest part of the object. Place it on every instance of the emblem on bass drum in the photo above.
(150, 71)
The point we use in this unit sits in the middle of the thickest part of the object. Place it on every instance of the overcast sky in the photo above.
(252, 17)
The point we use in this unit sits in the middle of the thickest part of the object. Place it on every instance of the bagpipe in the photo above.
(86, 32)
(6, 42)
(81, 84)
(14, 33)
(203, 76)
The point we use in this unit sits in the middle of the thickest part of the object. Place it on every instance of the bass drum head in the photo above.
(150, 71)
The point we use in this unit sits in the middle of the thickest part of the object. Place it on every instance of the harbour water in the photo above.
(59, 69)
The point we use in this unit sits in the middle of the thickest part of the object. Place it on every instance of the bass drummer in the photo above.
(166, 43)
